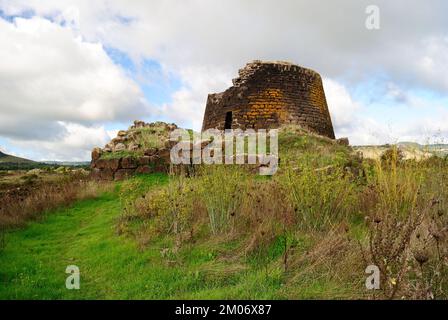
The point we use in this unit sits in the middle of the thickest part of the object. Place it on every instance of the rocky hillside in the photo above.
(143, 148)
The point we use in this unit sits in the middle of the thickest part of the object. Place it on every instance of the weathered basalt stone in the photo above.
(144, 161)
(144, 169)
(113, 164)
(151, 151)
(129, 163)
(96, 153)
(102, 174)
(164, 154)
(119, 147)
(343, 141)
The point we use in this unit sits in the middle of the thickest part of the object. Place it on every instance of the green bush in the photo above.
(321, 197)
(221, 189)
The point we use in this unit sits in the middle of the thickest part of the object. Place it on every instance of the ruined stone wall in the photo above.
(269, 94)
(120, 168)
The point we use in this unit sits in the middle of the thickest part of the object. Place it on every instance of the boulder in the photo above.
(165, 154)
(122, 133)
(151, 151)
(143, 169)
(129, 163)
(138, 124)
(161, 166)
(133, 147)
(95, 174)
(123, 174)
(343, 141)
(96, 153)
(118, 140)
(119, 147)
(112, 164)
(144, 161)
(172, 127)
(100, 164)
(102, 174)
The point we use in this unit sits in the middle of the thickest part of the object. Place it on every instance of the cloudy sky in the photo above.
(74, 72)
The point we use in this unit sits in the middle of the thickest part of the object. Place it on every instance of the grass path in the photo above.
(32, 266)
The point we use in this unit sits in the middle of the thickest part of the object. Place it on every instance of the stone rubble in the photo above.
(107, 166)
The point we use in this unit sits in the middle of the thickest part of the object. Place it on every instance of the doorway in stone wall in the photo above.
(229, 118)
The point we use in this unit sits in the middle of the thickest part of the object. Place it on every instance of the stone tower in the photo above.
(267, 95)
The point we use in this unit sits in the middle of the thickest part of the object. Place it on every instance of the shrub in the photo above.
(221, 189)
(320, 197)
(402, 228)
(392, 155)
(25, 204)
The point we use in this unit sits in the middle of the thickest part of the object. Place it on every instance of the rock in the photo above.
(138, 124)
(96, 153)
(102, 174)
(100, 164)
(119, 147)
(151, 151)
(112, 164)
(144, 169)
(343, 141)
(95, 174)
(107, 174)
(122, 133)
(165, 154)
(145, 160)
(119, 139)
(133, 147)
(128, 163)
(161, 166)
(108, 147)
(123, 174)
(170, 143)
(172, 127)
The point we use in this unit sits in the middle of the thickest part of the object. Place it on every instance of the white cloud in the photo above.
(204, 43)
(343, 108)
(188, 103)
(49, 74)
(75, 144)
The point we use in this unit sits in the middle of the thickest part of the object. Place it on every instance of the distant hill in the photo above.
(6, 158)
(411, 150)
(67, 163)
(8, 162)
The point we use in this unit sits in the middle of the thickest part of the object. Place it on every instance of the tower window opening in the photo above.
(229, 118)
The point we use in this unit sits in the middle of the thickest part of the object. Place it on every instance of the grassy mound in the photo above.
(138, 139)
(307, 232)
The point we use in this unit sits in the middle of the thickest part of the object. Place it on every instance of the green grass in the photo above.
(301, 234)
(121, 154)
(33, 263)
